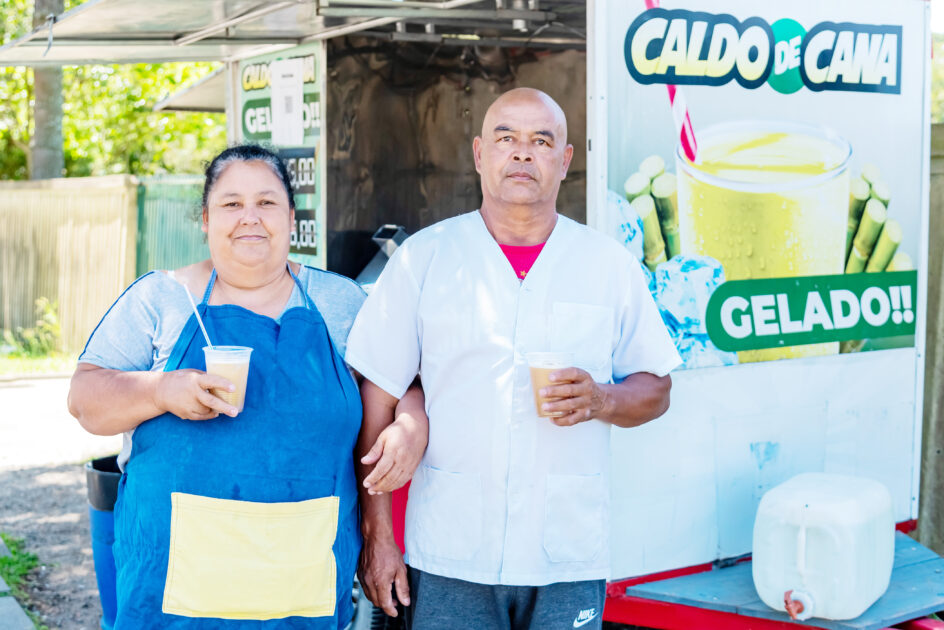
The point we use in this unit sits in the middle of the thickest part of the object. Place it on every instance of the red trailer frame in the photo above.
(639, 611)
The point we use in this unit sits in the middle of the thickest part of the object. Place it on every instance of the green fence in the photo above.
(80, 241)
(71, 241)
(169, 234)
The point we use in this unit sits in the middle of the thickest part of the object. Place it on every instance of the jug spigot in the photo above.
(799, 605)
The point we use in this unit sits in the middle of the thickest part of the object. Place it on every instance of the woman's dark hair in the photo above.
(247, 153)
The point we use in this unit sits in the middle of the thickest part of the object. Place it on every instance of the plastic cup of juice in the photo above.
(232, 363)
(767, 200)
(542, 364)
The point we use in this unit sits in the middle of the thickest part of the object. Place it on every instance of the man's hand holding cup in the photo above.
(565, 394)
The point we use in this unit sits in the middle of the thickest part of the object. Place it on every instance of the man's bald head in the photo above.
(522, 154)
(526, 97)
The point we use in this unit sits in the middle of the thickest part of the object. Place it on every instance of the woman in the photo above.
(226, 519)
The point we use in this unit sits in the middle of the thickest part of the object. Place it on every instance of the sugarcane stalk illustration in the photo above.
(652, 166)
(858, 195)
(665, 195)
(885, 247)
(873, 218)
(636, 185)
(653, 245)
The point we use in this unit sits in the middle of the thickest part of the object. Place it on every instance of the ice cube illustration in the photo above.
(683, 286)
(623, 223)
(675, 328)
(697, 351)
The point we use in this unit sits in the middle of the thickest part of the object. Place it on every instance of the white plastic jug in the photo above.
(824, 545)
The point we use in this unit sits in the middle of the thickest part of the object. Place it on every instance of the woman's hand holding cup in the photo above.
(185, 393)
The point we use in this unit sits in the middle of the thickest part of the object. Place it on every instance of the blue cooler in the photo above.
(101, 476)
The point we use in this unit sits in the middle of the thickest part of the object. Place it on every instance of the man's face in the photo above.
(522, 154)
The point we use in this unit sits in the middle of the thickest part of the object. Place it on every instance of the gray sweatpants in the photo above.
(440, 603)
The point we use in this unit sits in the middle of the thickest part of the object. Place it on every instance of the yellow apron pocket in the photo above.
(244, 560)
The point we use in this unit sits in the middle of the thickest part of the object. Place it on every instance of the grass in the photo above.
(28, 366)
(14, 569)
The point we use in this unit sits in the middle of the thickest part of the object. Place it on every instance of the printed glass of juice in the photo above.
(232, 363)
(767, 200)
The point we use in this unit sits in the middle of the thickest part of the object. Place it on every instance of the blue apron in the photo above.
(267, 499)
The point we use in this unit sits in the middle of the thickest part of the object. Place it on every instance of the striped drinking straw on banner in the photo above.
(683, 123)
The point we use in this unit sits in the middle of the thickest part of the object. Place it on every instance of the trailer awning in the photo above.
(206, 95)
(151, 31)
(145, 31)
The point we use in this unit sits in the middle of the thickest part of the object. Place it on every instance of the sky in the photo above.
(937, 16)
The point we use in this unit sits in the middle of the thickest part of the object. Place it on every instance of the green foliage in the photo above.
(108, 125)
(40, 340)
(13, 367)
(15, 567)
(15, 95)
(937, 78)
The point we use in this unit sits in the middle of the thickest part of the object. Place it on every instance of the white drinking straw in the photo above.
(197, 313)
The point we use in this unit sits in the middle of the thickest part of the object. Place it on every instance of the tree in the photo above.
(15, 94)
(108, 125)
(937, 78)
(45, 156)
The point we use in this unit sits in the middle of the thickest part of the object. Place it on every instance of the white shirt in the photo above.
(501, 495)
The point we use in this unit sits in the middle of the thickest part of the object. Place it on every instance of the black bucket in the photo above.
(101, 478)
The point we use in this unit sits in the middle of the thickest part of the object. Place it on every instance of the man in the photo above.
(507, 520)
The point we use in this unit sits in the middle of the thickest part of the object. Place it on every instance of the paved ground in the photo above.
(43, 500)
(36, 428)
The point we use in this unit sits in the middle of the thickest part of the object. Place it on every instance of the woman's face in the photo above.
(248, 220)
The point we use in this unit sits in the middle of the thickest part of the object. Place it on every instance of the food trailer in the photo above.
(764, 273)
(767, 164)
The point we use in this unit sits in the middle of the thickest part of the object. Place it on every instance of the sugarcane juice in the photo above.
(767, 202)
